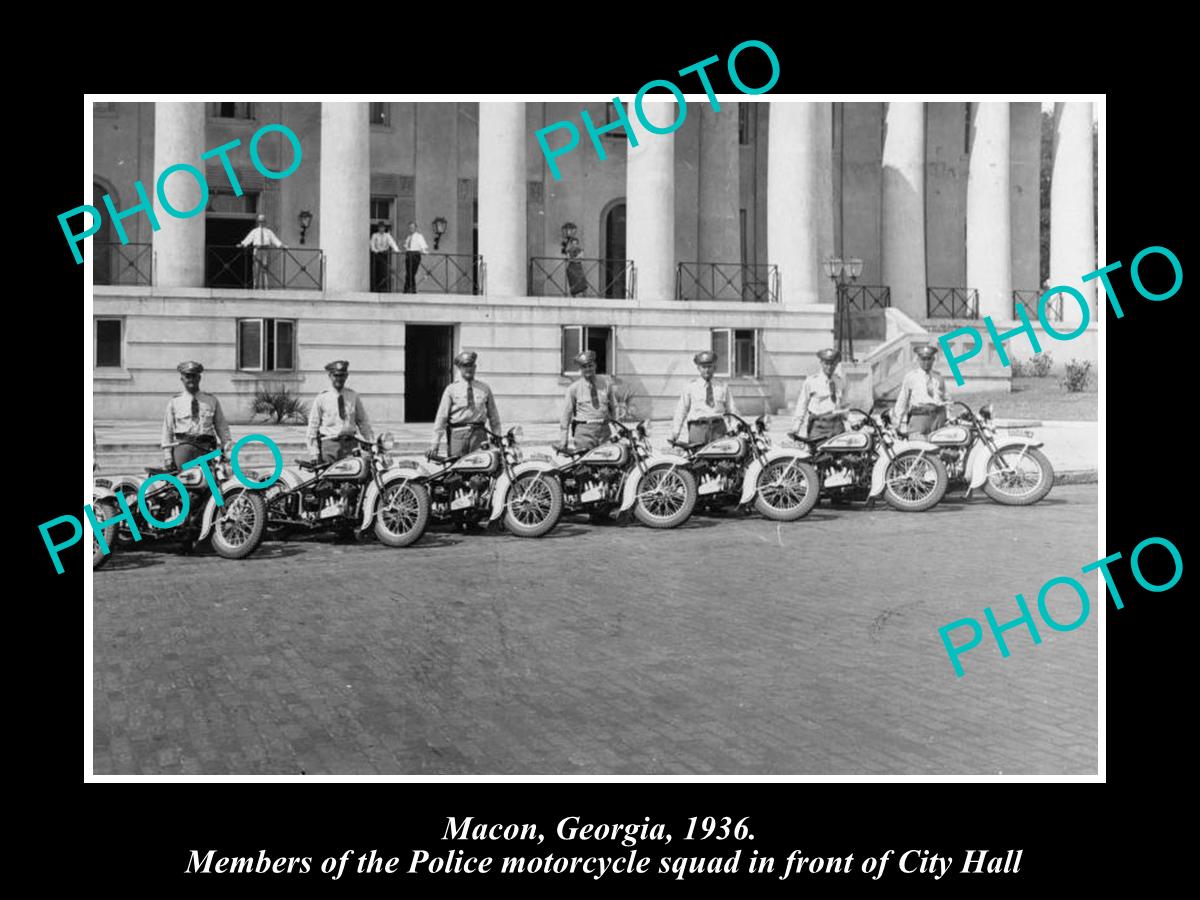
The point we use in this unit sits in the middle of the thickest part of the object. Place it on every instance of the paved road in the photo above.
(726, 646)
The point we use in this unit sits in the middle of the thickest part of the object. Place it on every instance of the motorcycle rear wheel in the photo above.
(240, 524)
(105, 509)
(666, 497)
(915, 492)
(1016, 489)
(794, 497)
(401, 513)
(534, 504)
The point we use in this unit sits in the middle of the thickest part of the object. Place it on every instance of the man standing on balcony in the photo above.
(414, 246)
(194, 423)
(383, 245)
(922, 397)
(821, 405)
(703, 404)
(337, 415)
(467, 405)
(259, 237)
(588, 404)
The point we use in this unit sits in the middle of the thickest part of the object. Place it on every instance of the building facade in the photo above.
(712, 236)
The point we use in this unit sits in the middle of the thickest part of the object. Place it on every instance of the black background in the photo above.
(126, 836)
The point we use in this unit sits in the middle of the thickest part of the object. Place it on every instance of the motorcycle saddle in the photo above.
(160, 470)
(685, 445)
(570, 451)
(311, 464)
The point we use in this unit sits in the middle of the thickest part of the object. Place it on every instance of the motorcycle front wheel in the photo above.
(240, 524)
(915, 481)
(666, 497)
(534, 504)
(105, 509)
(401, 513)
(787, 490)
(1017, 478)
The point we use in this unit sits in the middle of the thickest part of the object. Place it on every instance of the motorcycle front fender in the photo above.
(879, 470)
(750, 478)
(504, 483)
(372, 495)
(980, 456)
(633, 479)
(102, 493)
(210, 508)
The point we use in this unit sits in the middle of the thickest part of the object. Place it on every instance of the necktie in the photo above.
(708, 397)
(470, 396)
(195, 409)
(930, 387)
(341, 407)
(595, 396)
(832, 392)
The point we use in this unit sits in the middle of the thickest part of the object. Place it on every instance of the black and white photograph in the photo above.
(735, 434)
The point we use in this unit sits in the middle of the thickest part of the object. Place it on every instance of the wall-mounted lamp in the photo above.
(439, 228)
(305, 220)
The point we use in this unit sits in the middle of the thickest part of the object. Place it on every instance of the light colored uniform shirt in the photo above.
(262, 236)
(416, 241)
(382, 241)
(324, 421)
(178, 419)
(918, 388)
(815, 399)
(454, 409)
(577, 403)
(693, 403)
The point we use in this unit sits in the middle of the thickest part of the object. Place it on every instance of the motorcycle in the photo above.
(349, 495)
(742, 467)
(236, 526)
(869, 460)
(495, 483)
(1015, 473)
(626, 473)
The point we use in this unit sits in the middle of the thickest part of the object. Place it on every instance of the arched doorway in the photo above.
(612, 250)
(102, 241)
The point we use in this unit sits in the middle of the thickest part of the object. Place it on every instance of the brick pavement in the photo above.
(727, 646)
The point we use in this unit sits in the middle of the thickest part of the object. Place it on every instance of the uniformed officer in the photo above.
(466, 405)
(589, 402)
(194, 423)
(922, 397)
(703, 403)
(821, 405)
(337, 414)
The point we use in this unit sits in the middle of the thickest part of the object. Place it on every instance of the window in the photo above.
(610, 116)
(266, 345)
(108, 344)
(381, 211)
(380, 114)
(584, 337)
(222, 200)
(231, 110)
(739, 345)
(745, 123)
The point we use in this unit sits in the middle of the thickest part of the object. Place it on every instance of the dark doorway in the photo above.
(103, 249)
(614, 251)
(428, 357)
(226, 265)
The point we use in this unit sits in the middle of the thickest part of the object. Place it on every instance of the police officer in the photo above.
(337, 414)
(922, 397)
(195, 423)
(466, 405)
(821, 404)
(703, 403)
(589, 403)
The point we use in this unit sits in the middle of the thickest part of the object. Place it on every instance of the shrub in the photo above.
(1042, 364)
(1020, 369)
(278, 403)
(1079, 375)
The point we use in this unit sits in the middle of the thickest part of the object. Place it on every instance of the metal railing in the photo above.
(556, 276)
(727, 281)
(265, 268)
(952, 303)
(1029, 300)
(116, 263)
(862, 297)
(436, 273)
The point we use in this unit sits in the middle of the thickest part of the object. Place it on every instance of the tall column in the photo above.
(1072, 238)
(989, 225)
(800, 199)
(720, 183)
(902, 238)
(502, 196)
(345, 203)
(179, 243)
(650, 204)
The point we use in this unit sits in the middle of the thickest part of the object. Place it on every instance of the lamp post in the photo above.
(842, 272)
(439, 228)
(305, 220)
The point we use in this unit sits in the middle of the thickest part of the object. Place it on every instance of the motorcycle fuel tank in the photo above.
(607, 455)
(951, 436)
(723, 448)
(848, 441)
(479, 461)
(352, 468)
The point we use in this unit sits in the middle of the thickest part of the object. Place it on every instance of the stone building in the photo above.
(712, 236)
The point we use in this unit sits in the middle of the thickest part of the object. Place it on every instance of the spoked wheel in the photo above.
(240, 524)
(533, 505)
(788, 489)
(401, 513)
(666, 497)
(915, 481)
(1019, 477)
(105, 509)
